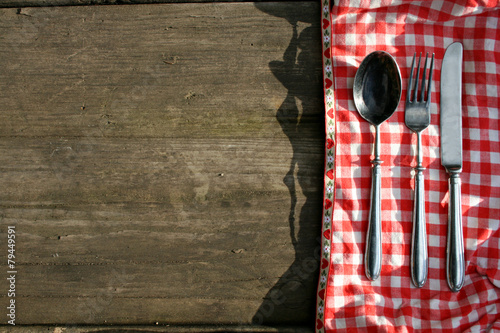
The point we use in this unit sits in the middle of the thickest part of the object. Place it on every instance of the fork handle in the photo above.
(419, 256)
(373, 251)
(455, 262)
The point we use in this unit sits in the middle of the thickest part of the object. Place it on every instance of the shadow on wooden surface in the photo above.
(295, 115)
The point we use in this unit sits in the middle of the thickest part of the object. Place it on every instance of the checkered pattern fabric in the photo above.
(349, 301)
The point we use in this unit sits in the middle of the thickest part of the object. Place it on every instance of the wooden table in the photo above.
(161, 163)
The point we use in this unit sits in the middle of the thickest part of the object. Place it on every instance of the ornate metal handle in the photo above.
(373, 252)
(455, 262)
(419, 257)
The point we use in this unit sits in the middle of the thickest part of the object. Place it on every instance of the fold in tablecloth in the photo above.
(346, 299)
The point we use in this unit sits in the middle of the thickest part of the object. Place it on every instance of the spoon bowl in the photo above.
(377, 92)
(377, 87)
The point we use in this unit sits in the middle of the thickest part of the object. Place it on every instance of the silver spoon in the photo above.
(377, 92)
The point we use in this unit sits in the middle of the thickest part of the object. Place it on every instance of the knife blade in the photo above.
(451, 159)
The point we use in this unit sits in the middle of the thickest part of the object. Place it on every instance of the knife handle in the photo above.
(419, 257)
(455, 262)
(373, 251)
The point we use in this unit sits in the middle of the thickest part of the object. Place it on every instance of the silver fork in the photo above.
(417, 118)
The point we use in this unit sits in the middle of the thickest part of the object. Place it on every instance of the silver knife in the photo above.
(451, 159)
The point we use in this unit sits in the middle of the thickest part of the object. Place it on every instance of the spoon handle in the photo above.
(373, 253)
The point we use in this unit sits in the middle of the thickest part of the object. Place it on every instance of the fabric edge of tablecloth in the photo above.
(329, 166)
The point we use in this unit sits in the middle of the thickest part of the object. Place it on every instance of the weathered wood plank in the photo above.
(157, 327)
(44, 3)
(161, 163)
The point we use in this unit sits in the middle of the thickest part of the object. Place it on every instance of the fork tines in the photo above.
(413, 84)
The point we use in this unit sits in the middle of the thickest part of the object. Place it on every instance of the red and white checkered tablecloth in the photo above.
(346, 299)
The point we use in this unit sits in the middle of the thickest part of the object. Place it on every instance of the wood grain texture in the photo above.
(162, 163)
(157, 327)
(44, 3)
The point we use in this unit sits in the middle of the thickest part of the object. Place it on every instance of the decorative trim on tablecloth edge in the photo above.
(329, 169)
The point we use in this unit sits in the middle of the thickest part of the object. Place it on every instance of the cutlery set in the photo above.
(377, 92)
